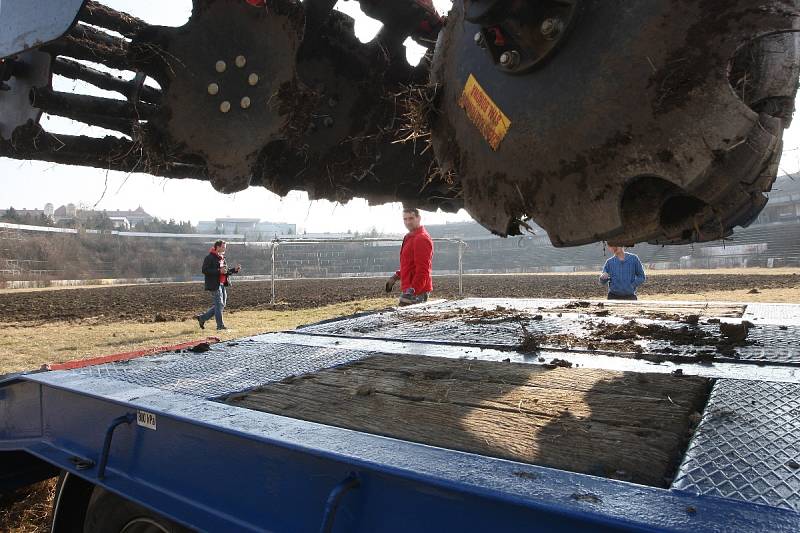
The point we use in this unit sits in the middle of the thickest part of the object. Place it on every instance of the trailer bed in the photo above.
(451, 409)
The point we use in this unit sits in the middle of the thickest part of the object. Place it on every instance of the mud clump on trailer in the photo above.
(473, 315)
(530, 343)
(730, 336)
(735, 333)
(653, 341)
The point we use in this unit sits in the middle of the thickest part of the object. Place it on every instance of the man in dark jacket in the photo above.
(217, 281)
(416, 261)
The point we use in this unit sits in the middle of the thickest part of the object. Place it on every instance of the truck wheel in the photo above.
(109, 513)
(69, 504)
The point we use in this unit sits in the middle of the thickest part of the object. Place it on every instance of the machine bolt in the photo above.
(252, 79)
(509, 59)
(220, 66)
(241, 61)
(213, 89)
(551, 28)
(332, 102)
(328, 122)
(245, 103)
(480, 40)
(225, 106)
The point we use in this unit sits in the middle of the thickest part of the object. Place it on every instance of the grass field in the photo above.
(26, 348)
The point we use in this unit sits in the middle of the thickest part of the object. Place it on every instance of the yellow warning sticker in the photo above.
(484, 113)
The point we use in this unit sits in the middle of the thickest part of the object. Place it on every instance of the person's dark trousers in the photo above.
(220, 300)
(614, 296)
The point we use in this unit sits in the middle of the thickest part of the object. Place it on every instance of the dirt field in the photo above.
(23, 347)
(177, 301)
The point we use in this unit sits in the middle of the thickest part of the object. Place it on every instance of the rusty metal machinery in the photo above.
(654, 121)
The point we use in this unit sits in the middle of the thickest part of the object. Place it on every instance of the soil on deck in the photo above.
(633, 427)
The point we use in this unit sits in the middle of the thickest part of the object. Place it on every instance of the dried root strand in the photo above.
(419, 105)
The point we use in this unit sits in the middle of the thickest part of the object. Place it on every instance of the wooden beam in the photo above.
(621, 425)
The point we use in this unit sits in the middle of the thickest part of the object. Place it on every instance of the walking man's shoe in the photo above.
(200, 321)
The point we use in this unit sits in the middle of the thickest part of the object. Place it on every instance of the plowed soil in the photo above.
(176, 301)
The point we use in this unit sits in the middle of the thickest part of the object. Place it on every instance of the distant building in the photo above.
(33, 213)
(784, 202)
(326, 236)
(276, 228)
(252, 228)
(65, 213)
(70, 213)
(120, 223)
(228, 226)
(134, 217)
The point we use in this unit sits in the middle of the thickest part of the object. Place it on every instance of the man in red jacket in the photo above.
(416, 260)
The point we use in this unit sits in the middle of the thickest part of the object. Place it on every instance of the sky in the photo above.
(31, 184)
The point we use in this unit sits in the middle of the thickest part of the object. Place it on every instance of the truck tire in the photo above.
(109, 513)
(69, 504)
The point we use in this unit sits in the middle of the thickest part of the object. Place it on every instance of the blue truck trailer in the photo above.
(206, 440)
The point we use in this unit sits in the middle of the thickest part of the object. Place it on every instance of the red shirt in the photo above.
(223, 278)
(416, 261)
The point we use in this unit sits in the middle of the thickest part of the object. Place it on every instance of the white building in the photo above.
(121, 223)
(253, 228)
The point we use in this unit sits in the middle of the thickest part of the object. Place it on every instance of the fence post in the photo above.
(460, 268)
(272, 298)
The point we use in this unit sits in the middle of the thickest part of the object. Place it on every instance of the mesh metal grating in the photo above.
(770, 342)
(747, 445)
(447, 330)
(773, 343)
(226, 368)
(773, 314)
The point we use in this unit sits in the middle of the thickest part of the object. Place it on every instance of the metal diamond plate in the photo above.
(778, 314)
(747, 445)
(408, 326)
(771, 343)
(226, 368)
(778, 344)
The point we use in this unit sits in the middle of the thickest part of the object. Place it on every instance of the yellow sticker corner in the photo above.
(484, 113)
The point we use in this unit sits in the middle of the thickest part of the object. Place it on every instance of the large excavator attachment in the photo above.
(655, 120)
(247, 92)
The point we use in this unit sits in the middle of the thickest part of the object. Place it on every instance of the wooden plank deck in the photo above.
(627, 426)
